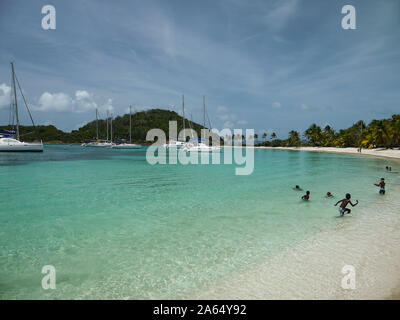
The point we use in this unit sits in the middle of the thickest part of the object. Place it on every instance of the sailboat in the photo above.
(10, 139)
(98, 142)
(176, 143)
(129, 145)
(199, 145)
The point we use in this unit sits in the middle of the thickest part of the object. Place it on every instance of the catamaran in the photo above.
(129, 145)
(198, 145)
(10, 139)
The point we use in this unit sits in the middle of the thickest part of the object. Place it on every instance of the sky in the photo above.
(272, 66)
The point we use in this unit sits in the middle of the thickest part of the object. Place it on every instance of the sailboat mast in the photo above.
(107, 124)
(204, 111)
(97, 125)
(111, 127)
(183, 116)
(15, 99)
(130, 124)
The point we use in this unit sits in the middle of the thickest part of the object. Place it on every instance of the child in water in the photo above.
(306, 196)
(381, 184)
(345, 202)
(329, 195)
(297, 187)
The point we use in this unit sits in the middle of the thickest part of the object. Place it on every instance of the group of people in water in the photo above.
(346, 201)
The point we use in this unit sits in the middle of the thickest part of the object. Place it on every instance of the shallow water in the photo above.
(116, 227)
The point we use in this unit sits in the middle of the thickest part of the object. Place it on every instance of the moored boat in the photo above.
(10, 140)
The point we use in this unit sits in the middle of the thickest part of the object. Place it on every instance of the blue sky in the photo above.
(267, 65)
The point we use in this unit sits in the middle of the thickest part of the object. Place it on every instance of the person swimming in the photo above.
(297, 188)
(329, 195)
(306, 196)
(344, 203)
(382, 185)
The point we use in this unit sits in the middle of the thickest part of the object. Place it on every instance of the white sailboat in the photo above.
(129, 145)
(199, 146)
(10, 139)
(176, 143)
(98, 142)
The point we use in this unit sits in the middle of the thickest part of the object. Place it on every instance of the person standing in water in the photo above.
(344, 203)
(382, 185)
(306, 196)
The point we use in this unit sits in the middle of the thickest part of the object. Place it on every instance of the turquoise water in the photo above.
(114, 226)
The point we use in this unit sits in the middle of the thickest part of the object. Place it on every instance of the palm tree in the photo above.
(314, 134)
(328, 135)
(294, 139)
(264, 136)
(395, 129)
(273, 135)
(380, 133)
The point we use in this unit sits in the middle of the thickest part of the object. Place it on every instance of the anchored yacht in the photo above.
(10, 139)
(129, 145)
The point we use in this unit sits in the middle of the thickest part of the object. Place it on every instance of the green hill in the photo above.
(142, 122)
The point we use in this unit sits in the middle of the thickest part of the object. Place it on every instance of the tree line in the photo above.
(377, 134)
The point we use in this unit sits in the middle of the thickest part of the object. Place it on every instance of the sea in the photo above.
(114, 226)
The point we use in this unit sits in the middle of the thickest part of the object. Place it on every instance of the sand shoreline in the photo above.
(380, 152)
(313, 265)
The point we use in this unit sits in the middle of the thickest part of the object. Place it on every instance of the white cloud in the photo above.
(276, 105)
(82, 102)
(107, 106)
(5, 92)
(59, 102)
(242, 122)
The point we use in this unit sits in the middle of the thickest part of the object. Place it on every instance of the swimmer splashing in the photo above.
(345, 202)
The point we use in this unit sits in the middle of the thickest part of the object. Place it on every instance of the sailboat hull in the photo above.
(21, 147)
(126, 146)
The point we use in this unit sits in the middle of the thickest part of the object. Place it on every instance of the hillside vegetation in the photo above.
(142, 122)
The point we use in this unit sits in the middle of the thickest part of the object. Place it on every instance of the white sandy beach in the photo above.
(379, 152)
(312, 268)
